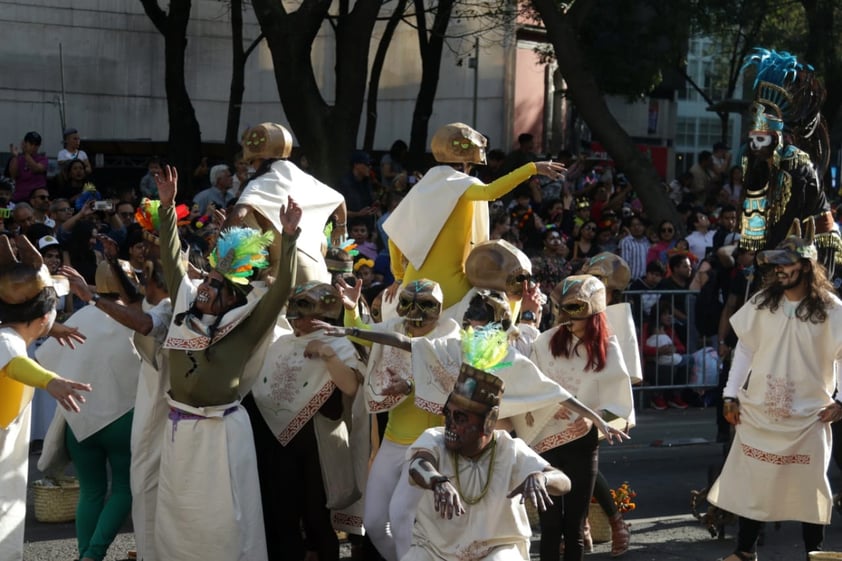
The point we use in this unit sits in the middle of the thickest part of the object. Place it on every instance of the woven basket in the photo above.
(55, 499)
(600, 525)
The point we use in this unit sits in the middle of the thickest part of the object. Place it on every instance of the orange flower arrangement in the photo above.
(624, 497)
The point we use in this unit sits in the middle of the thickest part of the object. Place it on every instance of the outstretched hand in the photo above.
(66, 392)
(613, 434)
(534, 488)
(66, 336)
(290, 217)
(390, 292)
(447, 502)
(551, 169)
(350, 294)
(329, 329)
(167, 183)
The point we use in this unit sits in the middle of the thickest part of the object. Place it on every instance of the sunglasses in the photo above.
(589, 227)
(41, 197)
(126, 214)
(667, 230)
(523, 277)
(65, 209)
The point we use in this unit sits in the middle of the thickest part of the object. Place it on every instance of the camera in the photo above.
(103, 205)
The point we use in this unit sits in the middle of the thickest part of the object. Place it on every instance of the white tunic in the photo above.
(14, 461)
(495, 522)
(777, 466)
(606, 390)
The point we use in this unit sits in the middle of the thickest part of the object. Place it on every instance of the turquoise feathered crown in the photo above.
(239, 251)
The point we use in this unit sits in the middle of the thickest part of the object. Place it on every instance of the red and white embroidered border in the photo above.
(429, 406)
(777, 459)
(560, 438)
(306, 413)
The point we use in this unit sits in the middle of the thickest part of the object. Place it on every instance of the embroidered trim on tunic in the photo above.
(474, 551)
(777, 459)
(345, 519)
(779, 396)
(429, 406)
(306, 413)
(577, 430)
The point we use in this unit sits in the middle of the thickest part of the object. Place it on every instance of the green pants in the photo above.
(98, 520)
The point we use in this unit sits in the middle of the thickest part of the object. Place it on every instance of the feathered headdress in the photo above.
(147, 215)
(484, 347)
(239, 251)
(790, 90)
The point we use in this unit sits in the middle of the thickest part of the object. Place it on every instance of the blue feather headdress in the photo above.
(239, 251)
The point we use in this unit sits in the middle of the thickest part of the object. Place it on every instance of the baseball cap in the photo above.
(360, 157)
(47, 241)
(32, 137)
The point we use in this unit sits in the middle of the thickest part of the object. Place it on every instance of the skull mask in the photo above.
(419, 303)
(609, 268)
(458, 143)
(764, 131)
(314, 299)
(488, 306)
(498, 265)
(267, 141)
(578, 297)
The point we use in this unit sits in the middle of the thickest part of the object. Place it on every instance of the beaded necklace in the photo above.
(474, 500)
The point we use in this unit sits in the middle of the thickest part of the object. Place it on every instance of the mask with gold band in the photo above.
(578, 297)
(420, 302)
(314, 299)
(458, 143)
(611, 269)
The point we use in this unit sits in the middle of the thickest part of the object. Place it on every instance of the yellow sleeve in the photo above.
(352, 319)
(396, 262)
(500, 186)
(26, 371)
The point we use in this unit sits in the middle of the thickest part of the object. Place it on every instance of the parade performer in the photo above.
(267, 147)
(581, 355)
(389, 386)
(478, 479)
(27, 312)
(779, 397)
(208, 493)
(301, 415)
(432, 229)
(150, 323)
(98, 438)
(786, 157)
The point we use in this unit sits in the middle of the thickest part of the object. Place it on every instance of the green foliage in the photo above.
(630, 44)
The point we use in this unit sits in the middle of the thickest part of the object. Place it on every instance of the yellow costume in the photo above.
(432, 229)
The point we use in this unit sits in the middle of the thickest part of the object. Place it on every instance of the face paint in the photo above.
(760, 142)
(463, 430)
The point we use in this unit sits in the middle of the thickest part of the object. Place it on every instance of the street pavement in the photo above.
(668, 456)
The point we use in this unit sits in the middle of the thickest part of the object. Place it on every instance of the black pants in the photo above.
(578, 460)
(749, 530)
(292, 493)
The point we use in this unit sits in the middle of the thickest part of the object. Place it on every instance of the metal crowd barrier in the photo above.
(703, 374)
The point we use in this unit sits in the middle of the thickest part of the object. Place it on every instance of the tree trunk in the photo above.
(585, 93)
(327, 133)
(821, 52)
(185, 138)
(238, 81)
(431, 48)
(376, 71)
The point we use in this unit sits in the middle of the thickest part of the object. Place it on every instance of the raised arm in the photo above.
(174, 270)
(501, 186)
(391, 339)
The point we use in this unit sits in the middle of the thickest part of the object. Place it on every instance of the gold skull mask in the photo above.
(458, 143)
(267, 141)
(314, 299)
(500, 266)
(609, 268)
(578, 297)
(419, 303)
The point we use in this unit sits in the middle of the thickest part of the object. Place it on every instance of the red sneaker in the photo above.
(676, 402)
(658, 403)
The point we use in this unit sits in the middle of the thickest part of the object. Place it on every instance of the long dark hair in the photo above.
(813, 307)
(595, 342)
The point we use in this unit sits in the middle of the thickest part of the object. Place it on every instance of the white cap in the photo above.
(46, 242)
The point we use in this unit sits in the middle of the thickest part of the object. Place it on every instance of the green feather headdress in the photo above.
(484, 347)
(239, 251)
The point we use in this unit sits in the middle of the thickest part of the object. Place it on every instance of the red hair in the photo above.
(595, 342)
